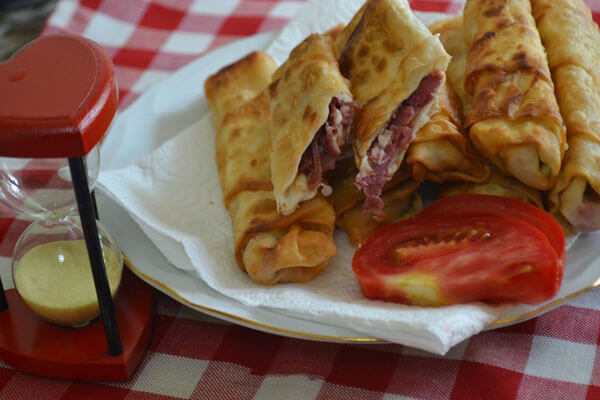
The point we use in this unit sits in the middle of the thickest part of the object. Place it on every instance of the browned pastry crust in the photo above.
(270, 247)
(247, 75)
(388, 56)
(514, 119)
(440, 151)
(301, 92)
(572, 41)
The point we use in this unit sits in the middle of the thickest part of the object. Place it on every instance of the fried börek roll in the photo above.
(572, 41)
(312, 112)
(270, 247)
(396, 67)
(515, 120)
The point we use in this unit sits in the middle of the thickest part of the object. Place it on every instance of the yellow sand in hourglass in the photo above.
(55, 280)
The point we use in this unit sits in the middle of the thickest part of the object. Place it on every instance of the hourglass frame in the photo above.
(75, 99)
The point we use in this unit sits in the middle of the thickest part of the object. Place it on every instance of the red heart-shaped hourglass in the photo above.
(57, 98)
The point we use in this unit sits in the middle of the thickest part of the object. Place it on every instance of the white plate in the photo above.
(153, 119)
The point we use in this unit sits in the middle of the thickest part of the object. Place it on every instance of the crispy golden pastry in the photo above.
(440, 151)
(312, 112)
(450, 32)
(274, 248)
(497, 184)
(514, 120)
(249, 73)
(572, 42)
(335, 34)
(396, 67)
(341, 39)
(270, 247)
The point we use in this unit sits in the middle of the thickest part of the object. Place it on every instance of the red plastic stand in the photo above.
(57, 98)
(33, 345)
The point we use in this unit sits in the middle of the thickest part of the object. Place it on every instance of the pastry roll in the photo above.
(396, 67)
(440, 150)
(496, 182)
(270, 247)
(572, 42)
(312, 112)
(514, 120)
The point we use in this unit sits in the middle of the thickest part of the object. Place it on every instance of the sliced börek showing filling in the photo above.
(396, 67)
(312, 112)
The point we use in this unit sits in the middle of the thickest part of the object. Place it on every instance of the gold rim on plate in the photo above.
(554, 303)
(183, 300)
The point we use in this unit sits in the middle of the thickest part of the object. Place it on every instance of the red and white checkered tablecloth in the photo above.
(555, 356)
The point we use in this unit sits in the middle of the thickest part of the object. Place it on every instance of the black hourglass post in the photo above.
(93, 194)
(3, 303)
(92, 241)
(94, 204)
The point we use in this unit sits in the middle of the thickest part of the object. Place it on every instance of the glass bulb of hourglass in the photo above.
(52, 272)
(42, 186)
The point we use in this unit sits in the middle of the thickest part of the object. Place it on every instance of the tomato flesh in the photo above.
(440, 261)
(481, 204)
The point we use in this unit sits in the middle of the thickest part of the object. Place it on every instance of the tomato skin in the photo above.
(435, 262)
(482, 204)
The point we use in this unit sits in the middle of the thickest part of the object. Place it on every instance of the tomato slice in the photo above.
(482, 204)
(440, 261)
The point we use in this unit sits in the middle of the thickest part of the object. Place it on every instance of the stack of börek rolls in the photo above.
(269, 246)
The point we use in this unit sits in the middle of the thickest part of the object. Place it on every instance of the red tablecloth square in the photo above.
(480, 381)
(161, 17)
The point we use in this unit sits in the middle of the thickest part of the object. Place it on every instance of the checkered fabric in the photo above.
(192, 356)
